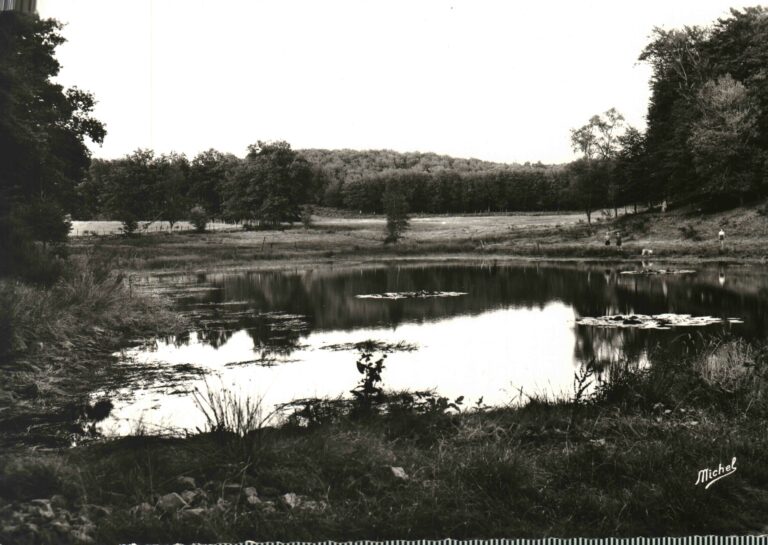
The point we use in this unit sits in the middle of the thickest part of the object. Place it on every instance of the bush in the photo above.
(396, 209)
(24, 258)
(130, 224)
(689, 232)
(198, 217)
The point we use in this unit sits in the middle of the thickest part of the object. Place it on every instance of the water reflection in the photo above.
(268, 332)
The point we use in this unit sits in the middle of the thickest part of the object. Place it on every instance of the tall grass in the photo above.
(90, 293)
(226, 411)
(727, 375)
(737, 370)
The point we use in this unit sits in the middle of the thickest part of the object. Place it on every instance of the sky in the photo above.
(496, 80)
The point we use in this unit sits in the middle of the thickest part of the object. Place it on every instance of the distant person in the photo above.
(618, 239)
(607, 239)
(721, 237)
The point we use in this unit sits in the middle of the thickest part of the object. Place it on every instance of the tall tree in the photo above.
(599, 141)
(43, 128)
(130, 190)
(270, 185)
(723, 140)
(395, 203)
(173, 202)
(208, 172)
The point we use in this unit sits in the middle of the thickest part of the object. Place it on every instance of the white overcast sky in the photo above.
(496, 80)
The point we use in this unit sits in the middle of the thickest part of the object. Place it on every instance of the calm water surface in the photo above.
(285, 335)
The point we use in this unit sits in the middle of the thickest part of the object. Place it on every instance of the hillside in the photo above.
(688, 226)
(348, 164)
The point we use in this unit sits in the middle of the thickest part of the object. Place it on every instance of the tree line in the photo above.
(273, 180)
(706, 140)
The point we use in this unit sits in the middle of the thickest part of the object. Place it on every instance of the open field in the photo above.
(671, 236)
(99, 228)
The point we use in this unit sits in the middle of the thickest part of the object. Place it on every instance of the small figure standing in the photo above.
(607, 239)
(721, 236)
(618, 238)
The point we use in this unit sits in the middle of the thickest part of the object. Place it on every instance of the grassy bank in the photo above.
(678, 235)
(621, 463)
(57, 343)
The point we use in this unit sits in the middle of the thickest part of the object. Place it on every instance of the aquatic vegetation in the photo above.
(658, 321)
(411, 294)
(651, 272)
(372, 345)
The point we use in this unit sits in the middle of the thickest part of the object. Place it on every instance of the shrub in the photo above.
(368, 393)
(198, 217)
(396, 209)
(129, 225)
(689, 232)
(306, 216)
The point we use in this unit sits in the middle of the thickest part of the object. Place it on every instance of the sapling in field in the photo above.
(198, 218)
(396, 209)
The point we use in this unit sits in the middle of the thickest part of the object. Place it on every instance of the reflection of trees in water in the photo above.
(605, 346)
(215, 337)
(271, 339)
(273, 335)
(327, 298)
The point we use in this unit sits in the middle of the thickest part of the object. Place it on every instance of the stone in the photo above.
(186, 482)
(171, 502)
(189, 496)
(43, 508)
(399, 473)
(291, 499)
(253, 500)
(250, 491)
(81, 536)
(61, 526)
(312, 506)
(141, 509)
(99, 511)
(197, 512)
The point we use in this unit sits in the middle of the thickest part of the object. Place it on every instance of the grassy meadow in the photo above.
(675, 235)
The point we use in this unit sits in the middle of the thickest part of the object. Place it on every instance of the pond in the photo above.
(502, 332)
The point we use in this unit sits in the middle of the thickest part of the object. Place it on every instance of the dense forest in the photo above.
(345, 179)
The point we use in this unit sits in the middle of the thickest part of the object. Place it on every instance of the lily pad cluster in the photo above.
(652, 272)
(658, 321)
(420, 294)
(372, 345)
